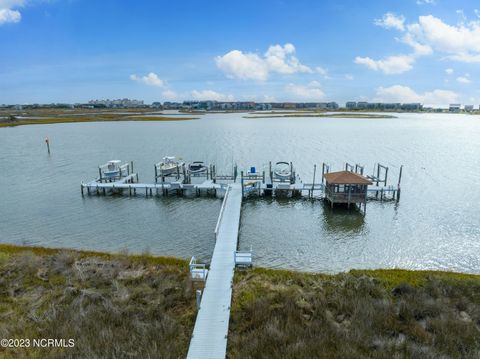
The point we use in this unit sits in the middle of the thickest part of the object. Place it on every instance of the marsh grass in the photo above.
(361, 314)
(87, 118)
(113, 306)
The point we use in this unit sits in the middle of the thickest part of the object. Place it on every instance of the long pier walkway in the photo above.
(209, 339)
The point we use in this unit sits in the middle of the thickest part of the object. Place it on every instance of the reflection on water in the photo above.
(341, 219)
(435, 225)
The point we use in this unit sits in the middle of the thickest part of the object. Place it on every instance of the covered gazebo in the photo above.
(346, 187)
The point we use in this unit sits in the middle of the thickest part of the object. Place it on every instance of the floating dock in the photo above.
(209, 339)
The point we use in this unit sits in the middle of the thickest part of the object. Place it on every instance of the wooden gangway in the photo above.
(209, 339)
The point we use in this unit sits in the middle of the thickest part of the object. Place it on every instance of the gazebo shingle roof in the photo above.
(346, 177)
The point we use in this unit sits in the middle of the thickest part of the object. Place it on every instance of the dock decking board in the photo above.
(209, 339)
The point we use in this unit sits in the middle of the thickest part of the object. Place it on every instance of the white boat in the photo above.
(197, 167)
(169, 165)
(282, 171)
(112, 169)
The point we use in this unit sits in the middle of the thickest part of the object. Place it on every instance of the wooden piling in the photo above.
(48, 144)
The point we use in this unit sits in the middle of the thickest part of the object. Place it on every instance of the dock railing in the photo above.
(222, 209)
(198, 271)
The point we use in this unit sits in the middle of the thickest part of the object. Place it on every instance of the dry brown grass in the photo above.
(363, 314)
(113, 306)
(43, 120)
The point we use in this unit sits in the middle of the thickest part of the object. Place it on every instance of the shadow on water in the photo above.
(341, 219)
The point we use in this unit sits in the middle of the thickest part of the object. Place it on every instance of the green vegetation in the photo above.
(51, 116)
(330, 115)
(112, 305)
(361, 314)
(123, 306)
(89, 118)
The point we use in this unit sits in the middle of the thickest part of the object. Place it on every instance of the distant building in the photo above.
(411, 106)
(351, 105)
(362, 105)
(468, 108)
(454, 107)
(119, 103)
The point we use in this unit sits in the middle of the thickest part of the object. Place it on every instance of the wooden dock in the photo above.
(209, 339)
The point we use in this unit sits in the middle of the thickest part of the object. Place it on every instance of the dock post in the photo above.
(235, 173)
(48, 144)
(398, 194)
(198, 298)
(263, 177)
(100, 174)
(381, 194)
(156, 173)
(130, 191)
(313, 182)
(292, 180)
(400, 176)
(131, 167)
(81, 189)
(386, 174)
(270, 171)
(241, 181)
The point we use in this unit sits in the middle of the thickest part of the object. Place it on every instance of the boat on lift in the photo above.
(112, 169)
(169, 165)
(197, 167)
(282, 171)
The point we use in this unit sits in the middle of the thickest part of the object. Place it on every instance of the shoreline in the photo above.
(101, 118)
(407, 274)
(145, 305)
(323, 115)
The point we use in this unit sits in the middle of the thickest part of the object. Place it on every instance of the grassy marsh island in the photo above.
(8, 119)
(330, 115)
(124, 306)
(113, 306)
(360, 314)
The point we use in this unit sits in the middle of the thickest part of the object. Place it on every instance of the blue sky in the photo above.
(404, 51)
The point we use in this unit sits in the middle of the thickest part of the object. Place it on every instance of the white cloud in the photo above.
(151, 79)
(449, 71)
(460, 42)
(210, 95)
(418, 48)
(464, 79)
(251, 66)
(322, 71)
(245, 66)
(7, 12)
(281, 59)
(170, 95)
(391, 21)
(311, 92)
(423, 2)
(349, 77)
(389, 65)
(399, 93)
